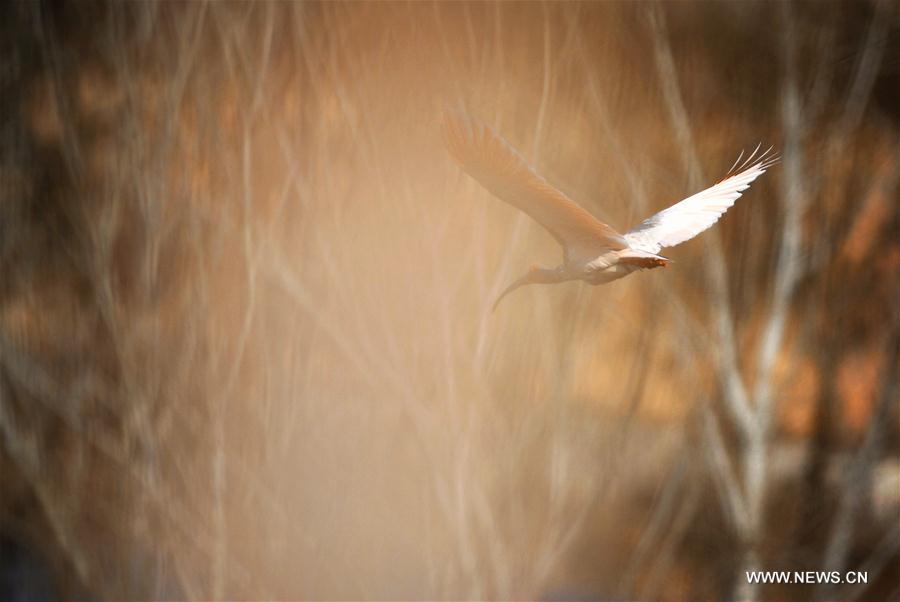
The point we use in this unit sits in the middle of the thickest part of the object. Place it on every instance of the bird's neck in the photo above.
(548, 275)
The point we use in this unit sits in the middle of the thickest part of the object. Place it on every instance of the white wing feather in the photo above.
(685, 220)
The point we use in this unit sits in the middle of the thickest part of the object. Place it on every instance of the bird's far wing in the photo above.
(690, 217)
(497, 166)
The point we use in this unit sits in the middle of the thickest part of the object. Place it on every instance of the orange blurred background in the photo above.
(246, 348)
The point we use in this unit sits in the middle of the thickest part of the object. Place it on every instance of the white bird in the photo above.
(592, 251)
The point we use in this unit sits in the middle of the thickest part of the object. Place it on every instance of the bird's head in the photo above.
(535, 275)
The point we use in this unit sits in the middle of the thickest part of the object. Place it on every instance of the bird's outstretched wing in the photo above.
(693, 215)
(497, 166)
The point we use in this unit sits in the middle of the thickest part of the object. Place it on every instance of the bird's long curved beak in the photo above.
(526, 279)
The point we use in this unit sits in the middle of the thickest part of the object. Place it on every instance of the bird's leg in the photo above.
(646, 263)
(642, 259)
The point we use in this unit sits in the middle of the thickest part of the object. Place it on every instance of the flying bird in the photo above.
(592, 250)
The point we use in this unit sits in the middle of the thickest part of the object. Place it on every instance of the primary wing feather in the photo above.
(690, 217)
(497, 166)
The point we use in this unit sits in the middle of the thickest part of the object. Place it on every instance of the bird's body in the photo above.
(608, 266)
(592, 251)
